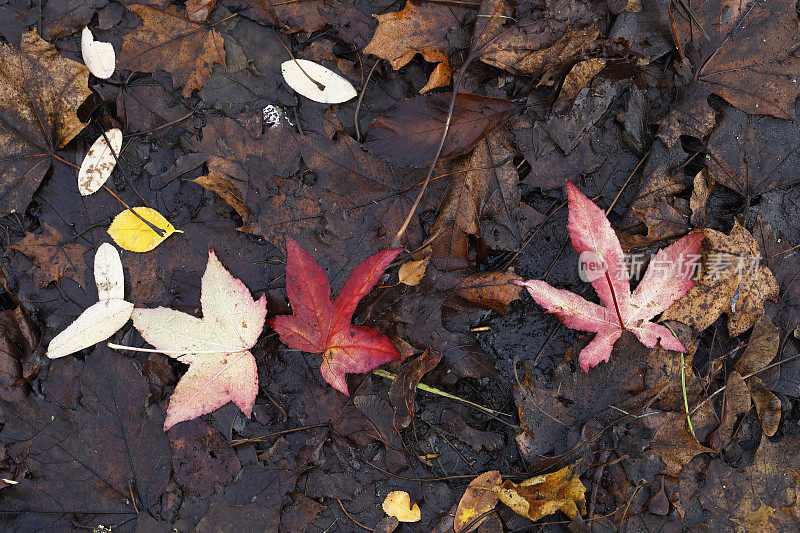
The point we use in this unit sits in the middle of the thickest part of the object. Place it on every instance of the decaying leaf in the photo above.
(132, 233)
(479, 498)
(98, 56)
(403, 390)
(733, 282)
(398, 505)
(485, 200)
(53, 258)
(672, 441)
(316, 82)
(602, 263)
(108, 274)
(429, 29)
(318, 324)
(736, 403)
(95, 324)
(491, 290)
(554, 35)
(199, 10)
(760, 351)
(409, 134)
(544, 495)
(216, 347)
(749, 59)
(38, 114)
(168, 41)
(99, 162)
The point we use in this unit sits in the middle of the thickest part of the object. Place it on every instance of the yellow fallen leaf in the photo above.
(132, 233)
(398, 505)
(544, 495)
(412, 272)
(477, 500)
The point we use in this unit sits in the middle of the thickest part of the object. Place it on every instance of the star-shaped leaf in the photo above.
(216, 347)
(321, 325)
(603, 263)
(167, 41)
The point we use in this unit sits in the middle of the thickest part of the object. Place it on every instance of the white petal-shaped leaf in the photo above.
(316, 82)
(99, 162)
(108, 273)
(98, 56)
(96, 324)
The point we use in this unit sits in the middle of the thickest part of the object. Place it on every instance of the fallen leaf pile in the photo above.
(325, 219)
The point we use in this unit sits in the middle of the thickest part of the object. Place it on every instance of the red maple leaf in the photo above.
(320, 325)
(668, 278)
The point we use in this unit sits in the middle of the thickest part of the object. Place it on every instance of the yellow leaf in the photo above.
(544, 495)
(398, 505)
(412, 272)
(132, 233)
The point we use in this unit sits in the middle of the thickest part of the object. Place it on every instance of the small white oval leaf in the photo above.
(108, 273)
(96, 324)
(99, 162)
(330, 88)
(98, 56)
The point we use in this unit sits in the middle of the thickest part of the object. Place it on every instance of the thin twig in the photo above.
(641, 161)
(456, 83)
(351, 518)
(361, 97)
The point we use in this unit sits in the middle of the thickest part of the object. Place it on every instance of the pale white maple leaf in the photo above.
(216, 347)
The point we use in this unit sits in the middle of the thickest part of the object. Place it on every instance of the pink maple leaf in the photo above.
(668, 278)
(216, 347)
(318, 324)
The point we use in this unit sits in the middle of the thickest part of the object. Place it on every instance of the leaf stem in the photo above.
(614, 297)
(434, 390)
(223, 349)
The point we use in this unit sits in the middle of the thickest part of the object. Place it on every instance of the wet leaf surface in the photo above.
(666, 131)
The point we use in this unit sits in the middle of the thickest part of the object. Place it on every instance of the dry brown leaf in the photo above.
(40, 93)
(543, 495)
(426, 29)
(492, 290)
(167, 41)
(736, 403)
(52, 257)
(577, 78)
(478, 499)
(672, 441)
(727, 285)
(199, 10)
